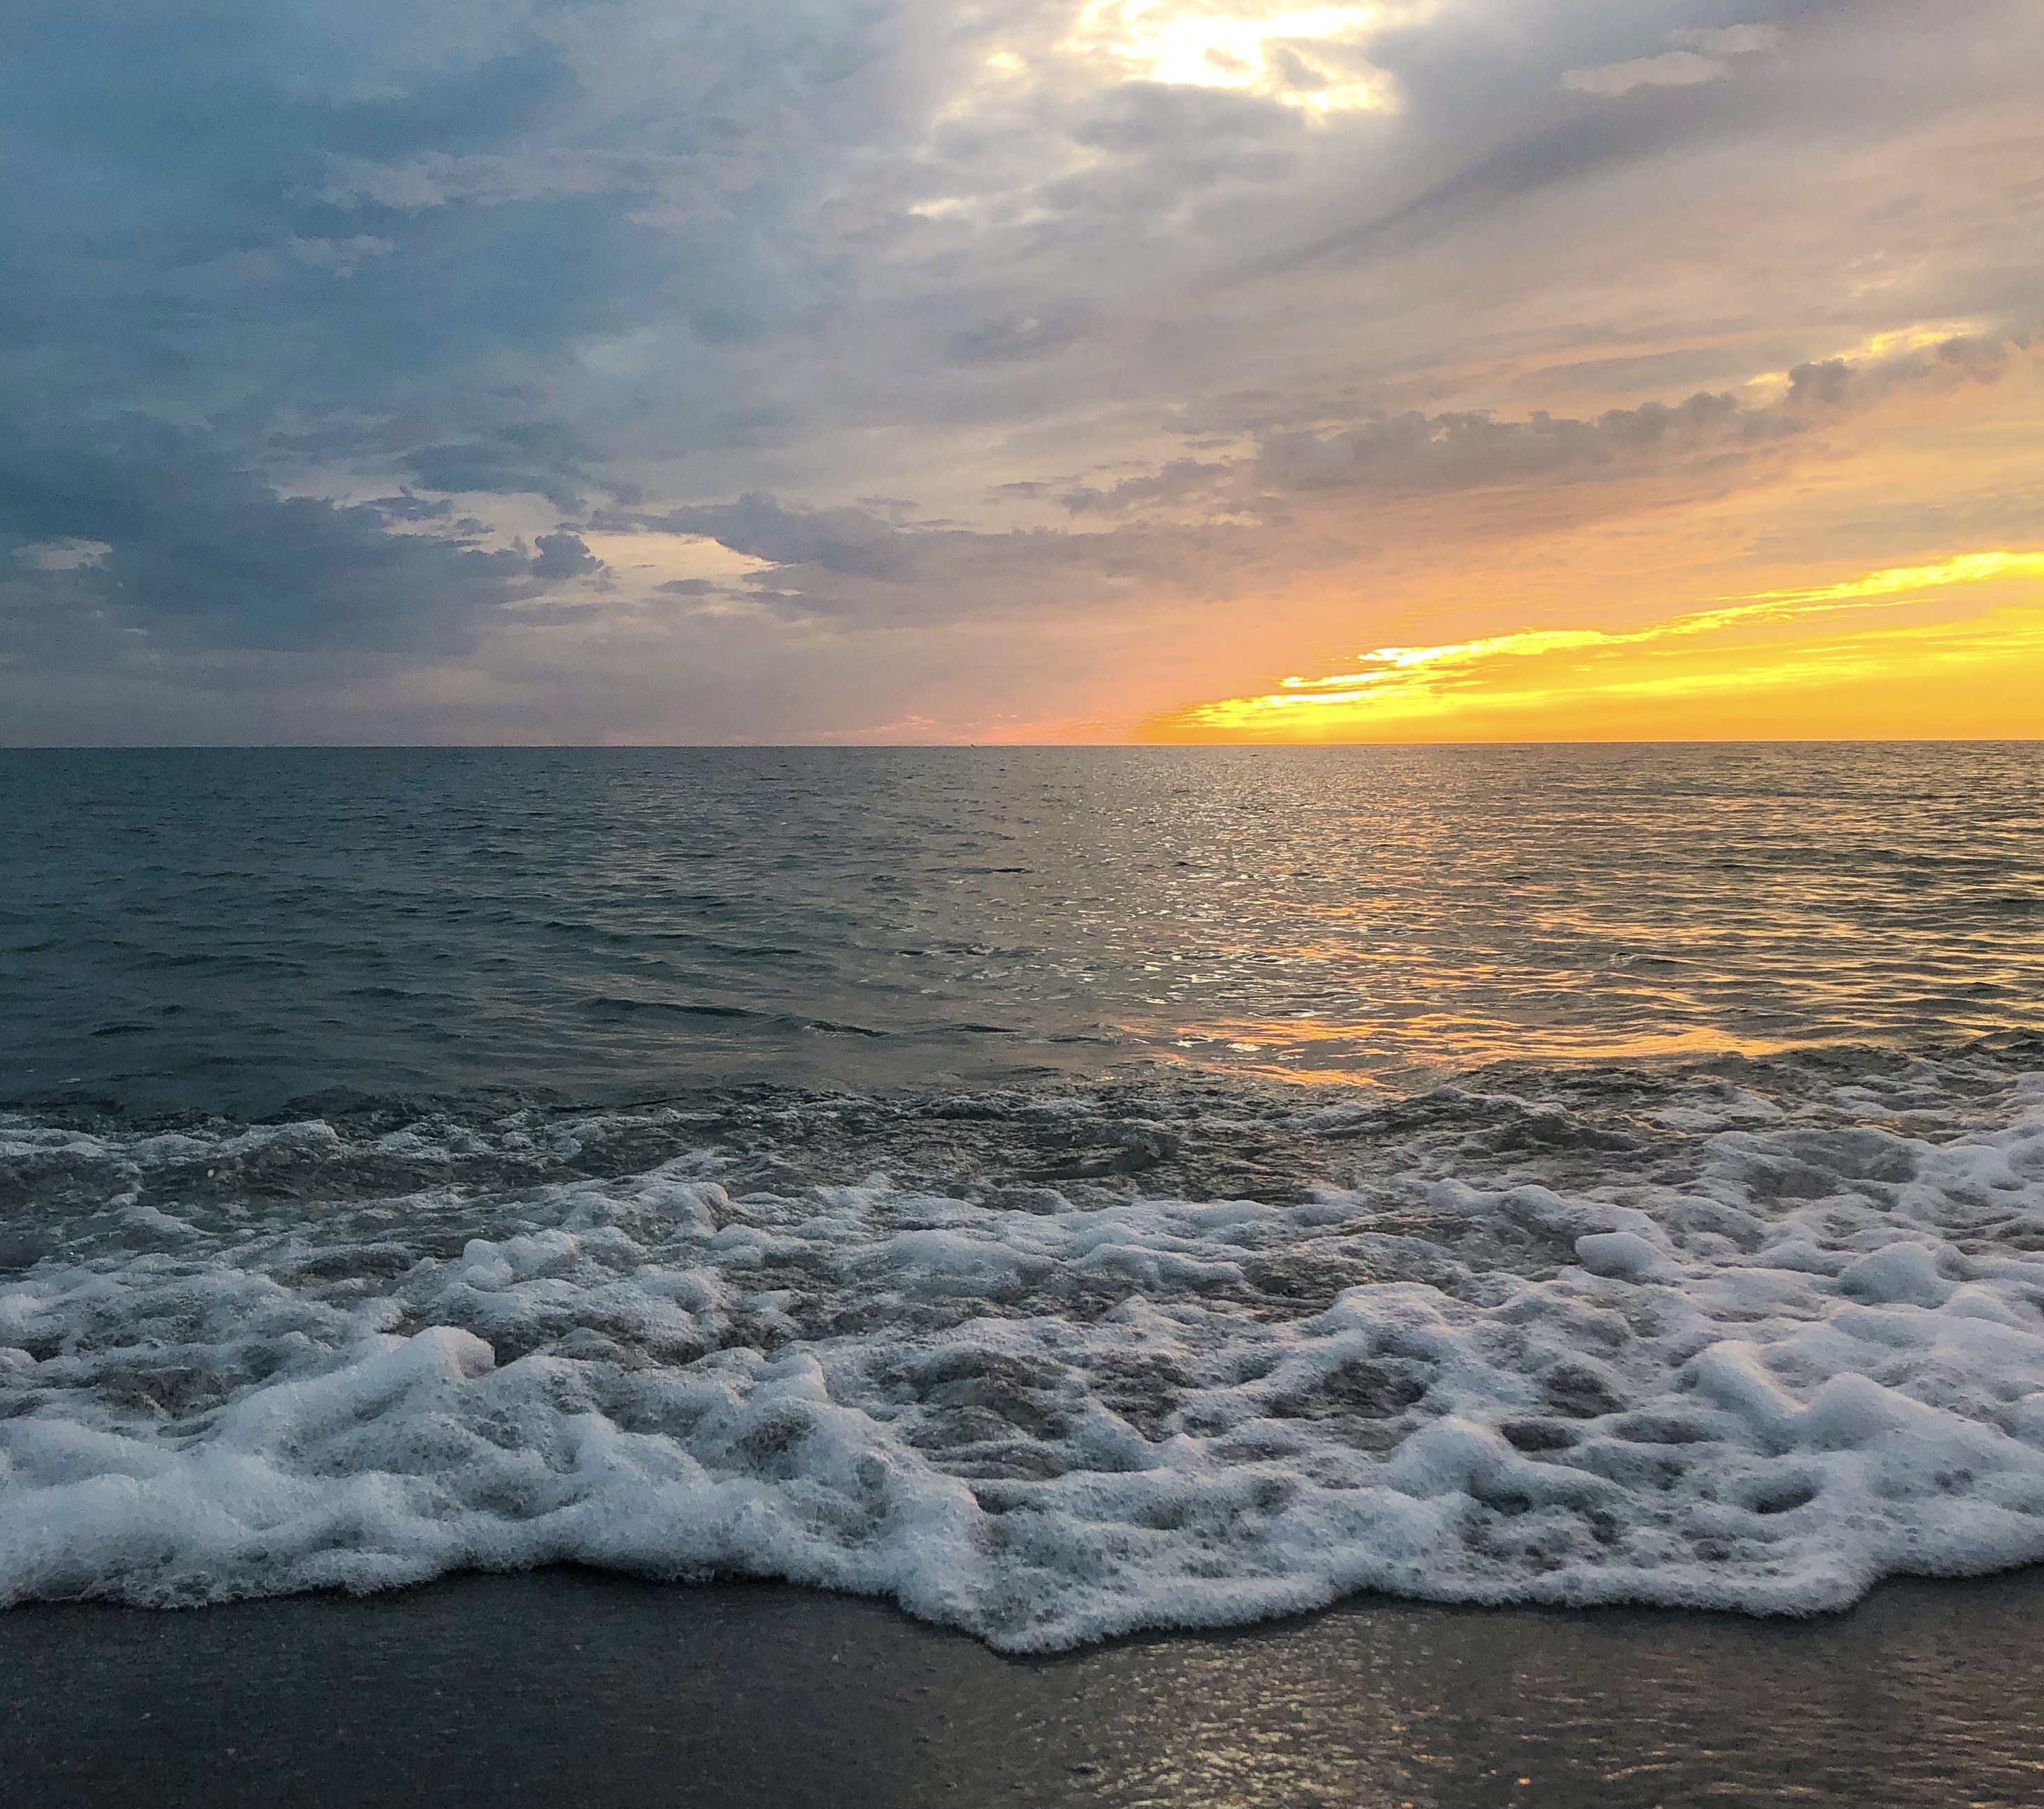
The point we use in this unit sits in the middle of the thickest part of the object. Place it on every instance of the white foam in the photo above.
(1815, 1359)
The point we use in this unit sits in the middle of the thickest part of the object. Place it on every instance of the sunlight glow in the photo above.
(1923, 336)
(1309, 57)
(1805, 641)
(1968, 568)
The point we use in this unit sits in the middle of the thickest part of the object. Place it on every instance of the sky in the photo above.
(1023, 370)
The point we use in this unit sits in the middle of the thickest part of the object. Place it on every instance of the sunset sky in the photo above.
(920, 370)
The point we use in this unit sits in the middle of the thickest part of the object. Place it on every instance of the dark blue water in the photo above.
(232, 930)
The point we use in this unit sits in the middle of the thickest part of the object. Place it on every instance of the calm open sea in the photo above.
(230, 930)
(1065, 1190)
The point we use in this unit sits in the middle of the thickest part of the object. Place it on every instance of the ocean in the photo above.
(1064, 1192)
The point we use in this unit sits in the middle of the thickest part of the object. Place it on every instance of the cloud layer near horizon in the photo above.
(677, 370)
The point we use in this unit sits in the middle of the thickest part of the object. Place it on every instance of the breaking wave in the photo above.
(1050, 1365)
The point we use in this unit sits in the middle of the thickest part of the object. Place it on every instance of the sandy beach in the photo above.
(566, 1686)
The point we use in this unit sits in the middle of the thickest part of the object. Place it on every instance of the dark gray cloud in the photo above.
(190, 551)
(541, 458)
(855, 542)
(1412, 451)
(563, 555)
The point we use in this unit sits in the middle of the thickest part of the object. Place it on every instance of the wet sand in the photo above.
(564, 1687)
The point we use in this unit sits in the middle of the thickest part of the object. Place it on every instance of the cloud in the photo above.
(166, 543)
(540, 459)
(563, 555)
(1671, 69)
(1018, 336)
(1199, 534)
(1413, 452)
(1308, 57)
(673, 186)
(342, 257)
(349, 353)
(1729, 40)
(852, 542)
(1901, 580)
(1697, 62)
(68, 555)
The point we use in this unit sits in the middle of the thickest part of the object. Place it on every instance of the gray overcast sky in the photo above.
(683, 370)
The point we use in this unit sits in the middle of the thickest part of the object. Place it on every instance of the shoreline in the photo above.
(562, 1686)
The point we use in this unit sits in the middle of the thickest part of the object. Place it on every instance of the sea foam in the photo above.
(1749, 1350)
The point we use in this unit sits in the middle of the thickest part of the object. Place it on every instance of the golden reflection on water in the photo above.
(1293, 1049)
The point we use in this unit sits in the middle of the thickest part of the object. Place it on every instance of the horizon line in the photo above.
(1203, 745)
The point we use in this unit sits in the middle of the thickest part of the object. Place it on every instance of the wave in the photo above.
(1051, 1365)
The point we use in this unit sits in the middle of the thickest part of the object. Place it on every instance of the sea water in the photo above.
(1065, 1192)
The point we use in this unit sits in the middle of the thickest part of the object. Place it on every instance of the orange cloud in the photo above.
(1803, 664)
